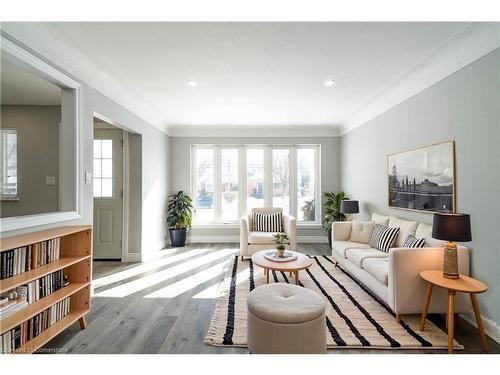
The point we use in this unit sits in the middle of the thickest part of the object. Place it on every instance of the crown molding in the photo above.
(468, 45)
(262, 131)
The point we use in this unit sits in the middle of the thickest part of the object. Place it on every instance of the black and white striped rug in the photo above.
(354, 317)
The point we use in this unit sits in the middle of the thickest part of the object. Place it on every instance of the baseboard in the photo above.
(132, 257)
(236, 239)
(491, 328)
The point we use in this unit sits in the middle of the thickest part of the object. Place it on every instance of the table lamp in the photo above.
(349, 207)
(450, 228)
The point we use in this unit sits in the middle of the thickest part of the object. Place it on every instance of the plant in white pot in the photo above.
(280, 240)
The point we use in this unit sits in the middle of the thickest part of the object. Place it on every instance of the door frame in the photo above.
(125, 255)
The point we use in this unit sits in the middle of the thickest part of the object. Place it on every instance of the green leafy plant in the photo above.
(180, 211)
(309, 210)
(332, 209)
(280, 239)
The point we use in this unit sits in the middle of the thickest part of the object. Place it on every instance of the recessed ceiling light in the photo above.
(192, 83)
(329, 83)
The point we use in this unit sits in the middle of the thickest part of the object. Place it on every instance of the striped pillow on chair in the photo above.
(267, 222)
(383, 237)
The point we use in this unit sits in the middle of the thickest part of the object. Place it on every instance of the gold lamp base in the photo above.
(450, 261)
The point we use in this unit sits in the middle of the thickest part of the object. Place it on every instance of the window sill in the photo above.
(9, 199)
(237, 225)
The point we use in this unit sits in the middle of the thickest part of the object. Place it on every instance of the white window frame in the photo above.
(268, 181)
(5, 185)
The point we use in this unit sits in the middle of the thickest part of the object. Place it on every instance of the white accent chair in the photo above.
(252, 242)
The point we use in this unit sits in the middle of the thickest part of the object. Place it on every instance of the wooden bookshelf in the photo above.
(75, 261)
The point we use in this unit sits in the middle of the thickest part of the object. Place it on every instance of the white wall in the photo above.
(37, 157)
(155, 164)
(181, 175)
(463, 107)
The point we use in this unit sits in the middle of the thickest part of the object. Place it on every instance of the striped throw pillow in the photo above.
(383, 237)
(267, 222)
(414, 242)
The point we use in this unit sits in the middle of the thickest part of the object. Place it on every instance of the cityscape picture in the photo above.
(423, 179)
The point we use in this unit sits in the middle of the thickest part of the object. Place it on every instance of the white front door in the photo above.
(108, 193)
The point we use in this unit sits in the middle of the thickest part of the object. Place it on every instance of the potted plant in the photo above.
(332, 212)
(180, 214)
(279, 239)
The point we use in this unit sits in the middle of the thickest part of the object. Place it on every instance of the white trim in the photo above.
(20, 222)
(258, 131)
(41, 68)
(236, 239)
(472, 42)
(491, 328)
(125, 198)
(132, 257)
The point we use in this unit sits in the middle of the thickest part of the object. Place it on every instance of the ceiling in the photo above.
(20, 86)
(256, 73)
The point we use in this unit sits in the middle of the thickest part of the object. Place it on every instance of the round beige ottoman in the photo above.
(285, 318)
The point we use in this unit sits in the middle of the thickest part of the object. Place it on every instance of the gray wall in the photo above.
(463, 107)
(181, 174)
(155, 180)
(37, 157)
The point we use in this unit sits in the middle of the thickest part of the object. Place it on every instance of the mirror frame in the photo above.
(61, 79)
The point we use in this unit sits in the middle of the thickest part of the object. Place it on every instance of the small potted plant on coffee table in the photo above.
(279, 239)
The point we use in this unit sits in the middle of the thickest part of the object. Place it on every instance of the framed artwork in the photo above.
(423, 179)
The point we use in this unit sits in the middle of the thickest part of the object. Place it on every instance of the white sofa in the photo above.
(252, 242)
(394, 276)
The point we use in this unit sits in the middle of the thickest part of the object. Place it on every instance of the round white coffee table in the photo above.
(293, 267)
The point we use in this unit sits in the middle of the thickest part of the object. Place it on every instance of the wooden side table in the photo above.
(463, 284)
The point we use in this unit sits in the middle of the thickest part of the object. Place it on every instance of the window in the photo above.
(228, 181)
(9, 163)
(306, 184)
(204, 180)
(255, 178)
(229, 185)
(281, 180)
(103, 168)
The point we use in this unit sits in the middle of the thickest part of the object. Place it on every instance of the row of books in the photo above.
(20, 335)
(16, 261)
(44, 286)
(18, 298)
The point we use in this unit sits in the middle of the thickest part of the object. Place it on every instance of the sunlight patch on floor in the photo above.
(164, 275)
(214, 290)
(145, 267)
(188, 283)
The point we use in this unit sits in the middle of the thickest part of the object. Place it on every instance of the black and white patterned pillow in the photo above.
(267, 222)
(414, 242)
(383, 237)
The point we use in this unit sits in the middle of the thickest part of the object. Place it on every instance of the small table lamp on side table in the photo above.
(349, 207)
(451, 227)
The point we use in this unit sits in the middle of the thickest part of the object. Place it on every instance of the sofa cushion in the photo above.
(378, 268)
(383, 238)
(341, 246)
(380, 219)
(358, 256)
(413, 242)
(361, 231)
(405, 228)
(425, 231)
(261, 238)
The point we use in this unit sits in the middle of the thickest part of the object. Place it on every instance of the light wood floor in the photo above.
(126, 317)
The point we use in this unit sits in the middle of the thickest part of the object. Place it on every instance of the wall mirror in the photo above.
(39, 148)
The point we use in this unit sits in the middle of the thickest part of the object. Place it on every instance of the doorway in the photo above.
(108, 191)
